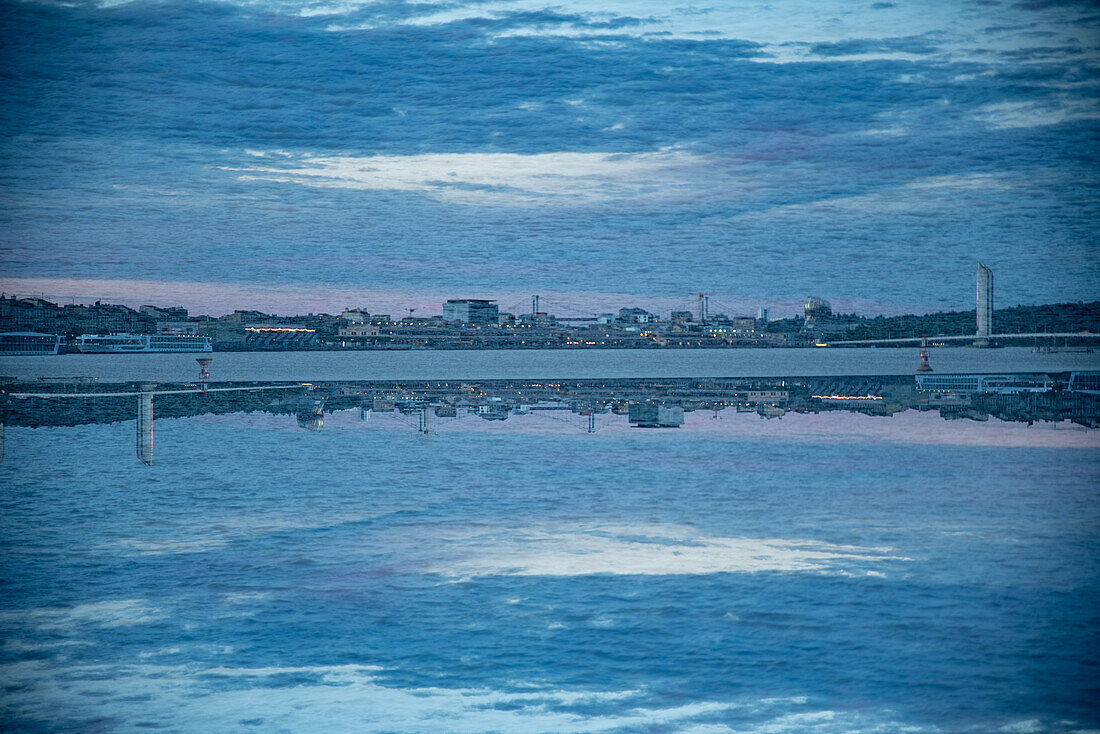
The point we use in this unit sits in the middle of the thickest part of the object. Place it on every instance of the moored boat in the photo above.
(29, 344)
(141, 343)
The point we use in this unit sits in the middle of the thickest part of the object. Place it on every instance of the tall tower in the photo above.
(985, 306)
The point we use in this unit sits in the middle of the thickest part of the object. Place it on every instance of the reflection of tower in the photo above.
(924, 352)
(985, 306)
(311, 415)
(204, 373)
(145, 425)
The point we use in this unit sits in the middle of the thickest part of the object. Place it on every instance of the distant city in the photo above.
(37, 326)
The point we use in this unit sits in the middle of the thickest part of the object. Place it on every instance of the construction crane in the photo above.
(703, 298)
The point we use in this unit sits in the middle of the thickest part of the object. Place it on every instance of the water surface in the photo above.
(823, 573)
(541, 363)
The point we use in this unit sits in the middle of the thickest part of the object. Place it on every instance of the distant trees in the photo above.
(1057, 318)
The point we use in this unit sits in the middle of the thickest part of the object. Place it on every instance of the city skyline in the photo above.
(198, 302)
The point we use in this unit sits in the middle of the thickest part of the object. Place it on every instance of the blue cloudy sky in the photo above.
(310, 154)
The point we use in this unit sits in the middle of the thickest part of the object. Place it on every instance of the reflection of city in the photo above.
(654, 403)
(1028, 398)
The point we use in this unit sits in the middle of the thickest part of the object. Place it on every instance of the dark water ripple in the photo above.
(263, 578)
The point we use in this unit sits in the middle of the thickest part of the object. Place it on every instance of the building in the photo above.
(358, 329)
(816, 309)
(354, 316)
(277, 336)
(680, 317)
(767, 396)
(741, 324)
(29, 314)
(104, 318)
(193, 328)
(470, 311)
(540, 319)
(762, 315)
(635, 316)
(245, 317)
(169, 313)
(650, 415)
(984, 306)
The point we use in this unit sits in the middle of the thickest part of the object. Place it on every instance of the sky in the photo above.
(309, 155)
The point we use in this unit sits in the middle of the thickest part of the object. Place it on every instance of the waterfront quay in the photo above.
(478, 324)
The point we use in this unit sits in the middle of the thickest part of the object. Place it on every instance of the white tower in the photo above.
(985, 306)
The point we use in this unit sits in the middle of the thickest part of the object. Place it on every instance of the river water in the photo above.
(472, 365)
(821, 573)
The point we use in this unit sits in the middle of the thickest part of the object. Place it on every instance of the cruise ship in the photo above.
(141, 343)
(29, 344)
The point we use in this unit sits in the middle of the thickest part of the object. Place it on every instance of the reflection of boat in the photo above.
(139, 343)
(29, 343)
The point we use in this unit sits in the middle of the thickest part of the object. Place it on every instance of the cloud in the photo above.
(675, 146)
(482, 178)
(913, 45)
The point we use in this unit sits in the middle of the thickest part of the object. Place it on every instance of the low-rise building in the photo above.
(650, 415)
(537, 319)
(167, 313)
(104, 318)
(358, 330)
(767, 396)
(244, 317)
(28, 314)
(354, 316)
(470, 311)
(635, 316)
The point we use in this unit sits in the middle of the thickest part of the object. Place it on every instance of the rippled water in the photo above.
(821, 573)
